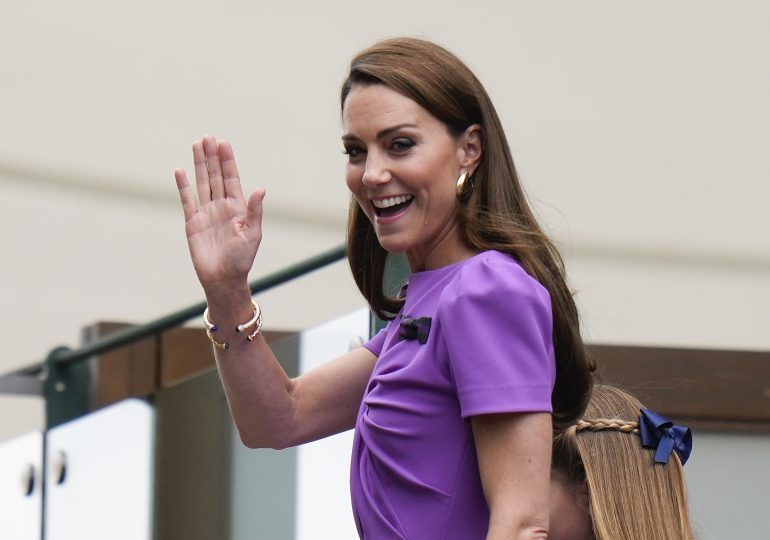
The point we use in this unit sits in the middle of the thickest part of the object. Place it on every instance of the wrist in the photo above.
(229, 302)
(226, 290)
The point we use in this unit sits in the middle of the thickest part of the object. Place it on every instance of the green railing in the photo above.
(64, 373)
(64, 358)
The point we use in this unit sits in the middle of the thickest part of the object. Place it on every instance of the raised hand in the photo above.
(223, 230)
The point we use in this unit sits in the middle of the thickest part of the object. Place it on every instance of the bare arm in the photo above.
(271, 410)
(223, 233)
(514, 452)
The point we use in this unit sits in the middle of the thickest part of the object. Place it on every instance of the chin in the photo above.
(393, 245)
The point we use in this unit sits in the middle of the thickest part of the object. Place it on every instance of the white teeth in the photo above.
(391, 201)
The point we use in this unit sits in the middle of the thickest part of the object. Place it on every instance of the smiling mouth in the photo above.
(392, 205)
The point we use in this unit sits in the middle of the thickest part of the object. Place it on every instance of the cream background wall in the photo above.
(640, 130)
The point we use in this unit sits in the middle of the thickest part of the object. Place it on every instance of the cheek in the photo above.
(441, 196)
(353, 181)
(568, 521)
(351, 178)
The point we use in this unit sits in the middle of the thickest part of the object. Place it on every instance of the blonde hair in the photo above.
(630, 496)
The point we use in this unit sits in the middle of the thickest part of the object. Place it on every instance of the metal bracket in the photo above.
(67, 388)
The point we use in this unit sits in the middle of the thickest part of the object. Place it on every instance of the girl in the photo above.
(606, 485)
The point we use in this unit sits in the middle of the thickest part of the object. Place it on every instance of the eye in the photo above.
(353, 151)
(402, 144)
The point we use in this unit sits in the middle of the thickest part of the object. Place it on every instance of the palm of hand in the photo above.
(221, 241)
(223, 231)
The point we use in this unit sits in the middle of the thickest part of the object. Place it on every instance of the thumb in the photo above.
(254, 209)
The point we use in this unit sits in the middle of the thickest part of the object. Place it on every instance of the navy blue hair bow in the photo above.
(660, 433)
(414, 328)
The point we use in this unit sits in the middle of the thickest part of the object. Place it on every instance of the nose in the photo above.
(376, 171)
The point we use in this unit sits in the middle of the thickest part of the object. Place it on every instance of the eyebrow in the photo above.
(382, 134)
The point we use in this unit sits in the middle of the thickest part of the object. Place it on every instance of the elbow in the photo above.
(279, 444)
(255, 441)
(276, 430)
(249, 441)
(251, 444)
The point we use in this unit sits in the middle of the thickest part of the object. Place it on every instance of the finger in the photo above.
(185, 194)
(214, 167)
(201, 173)
(254, 211)
(232, 181)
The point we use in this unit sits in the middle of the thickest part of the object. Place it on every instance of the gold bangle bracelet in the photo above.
(251, 322)
(210, 326)
(254, 334)
(255, 320)
(218, 344)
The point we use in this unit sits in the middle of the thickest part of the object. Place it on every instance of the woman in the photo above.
(479, 345)
(606, 484)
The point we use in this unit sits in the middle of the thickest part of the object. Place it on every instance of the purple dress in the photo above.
(414, 471)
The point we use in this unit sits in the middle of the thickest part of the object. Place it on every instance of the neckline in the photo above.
(429, 275)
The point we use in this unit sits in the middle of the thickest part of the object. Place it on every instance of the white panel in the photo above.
(28, 414)
(727, 479)
(323, 489)
(107, 489)
(20, 487)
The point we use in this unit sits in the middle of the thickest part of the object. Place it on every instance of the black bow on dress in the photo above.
(414, 328)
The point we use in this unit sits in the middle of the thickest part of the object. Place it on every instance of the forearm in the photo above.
(269, 409)
(514, 461)
(223, 233)
(258, 390)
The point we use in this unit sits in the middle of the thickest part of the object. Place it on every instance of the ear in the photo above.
(470, 148)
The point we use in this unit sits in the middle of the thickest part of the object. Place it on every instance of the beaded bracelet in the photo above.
(256, 320)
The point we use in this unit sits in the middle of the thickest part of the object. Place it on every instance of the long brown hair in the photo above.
(630, 496)
(496, 217)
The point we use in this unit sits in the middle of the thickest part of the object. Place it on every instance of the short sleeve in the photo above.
(497, 325)
(377, 342)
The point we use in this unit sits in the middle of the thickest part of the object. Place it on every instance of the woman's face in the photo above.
(402, 168)
(569, 516)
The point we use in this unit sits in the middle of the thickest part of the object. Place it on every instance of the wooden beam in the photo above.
(712, 389)
(123, 373)
(715, 390)
(187, 352)
(142, 368)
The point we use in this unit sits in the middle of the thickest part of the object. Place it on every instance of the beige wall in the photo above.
(638, 130)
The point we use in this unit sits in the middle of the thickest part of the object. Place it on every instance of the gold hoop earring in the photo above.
(464, 187)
